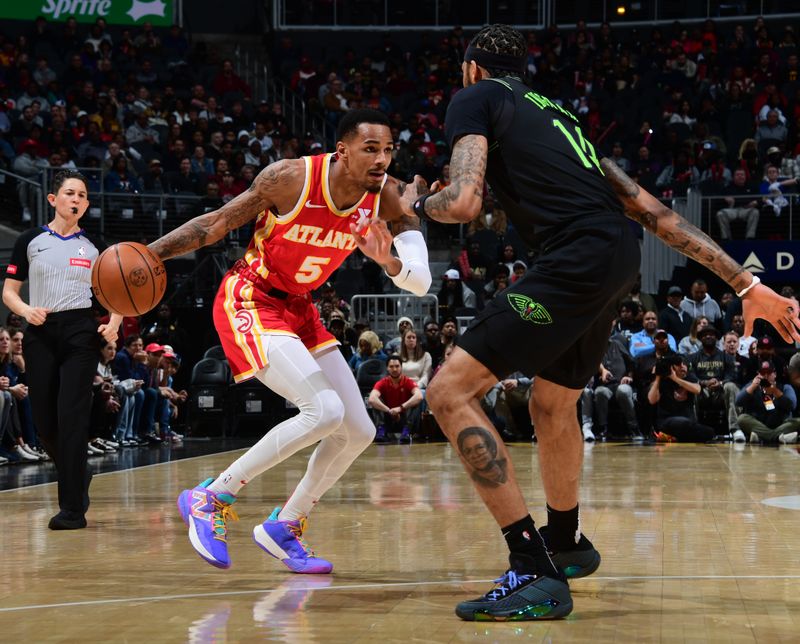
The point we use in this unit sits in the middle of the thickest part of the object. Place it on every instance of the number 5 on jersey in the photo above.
(582, 147)
(311, 269)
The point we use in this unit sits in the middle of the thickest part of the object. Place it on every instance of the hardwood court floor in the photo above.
(690, 553)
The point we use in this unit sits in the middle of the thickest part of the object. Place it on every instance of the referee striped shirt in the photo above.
(59, 268)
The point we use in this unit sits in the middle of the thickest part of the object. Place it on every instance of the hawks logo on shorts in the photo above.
(295, 253)
(244, 321)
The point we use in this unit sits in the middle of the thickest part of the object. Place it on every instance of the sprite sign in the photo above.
(117, 12)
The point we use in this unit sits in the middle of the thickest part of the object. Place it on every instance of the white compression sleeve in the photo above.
(294, 374)
(338, 449)
(415, 274)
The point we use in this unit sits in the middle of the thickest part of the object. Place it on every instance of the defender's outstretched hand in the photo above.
(781, 312)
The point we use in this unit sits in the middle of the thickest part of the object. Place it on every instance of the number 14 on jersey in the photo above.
(583, 148)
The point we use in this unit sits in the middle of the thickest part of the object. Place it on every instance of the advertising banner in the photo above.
(116, 12)
(775, 262)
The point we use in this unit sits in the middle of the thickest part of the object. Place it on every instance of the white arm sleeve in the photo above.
(415, 274)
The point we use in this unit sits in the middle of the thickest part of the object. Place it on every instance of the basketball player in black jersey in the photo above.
(553, 323)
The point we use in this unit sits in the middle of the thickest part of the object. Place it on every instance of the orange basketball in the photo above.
(129, 279)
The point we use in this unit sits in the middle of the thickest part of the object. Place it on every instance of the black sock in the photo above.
(528, 554)
(562, 528)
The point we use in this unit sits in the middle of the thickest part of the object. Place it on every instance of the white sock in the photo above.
(230, 481)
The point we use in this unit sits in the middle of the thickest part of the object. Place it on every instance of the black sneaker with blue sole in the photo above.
(519, 597)
(580, 561)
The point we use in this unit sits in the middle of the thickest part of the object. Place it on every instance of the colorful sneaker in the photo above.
(519, 597)
(580, 561)
(405, 436)
(661, 437)
(206, 513)
(380, 435)
(284, 541)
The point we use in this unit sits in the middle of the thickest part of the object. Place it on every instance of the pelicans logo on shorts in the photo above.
(244, 321)
(529, 310)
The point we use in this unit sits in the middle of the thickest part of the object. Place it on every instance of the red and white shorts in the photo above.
(245, 318)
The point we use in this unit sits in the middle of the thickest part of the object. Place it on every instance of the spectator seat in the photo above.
(369, 372)
(207, 396)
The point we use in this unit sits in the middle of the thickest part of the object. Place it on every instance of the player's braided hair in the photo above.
(500, 39)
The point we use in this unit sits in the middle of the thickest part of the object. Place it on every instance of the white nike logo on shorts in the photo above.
(313, 205)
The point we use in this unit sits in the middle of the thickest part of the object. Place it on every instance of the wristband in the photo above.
(419, 206)
(745, 291)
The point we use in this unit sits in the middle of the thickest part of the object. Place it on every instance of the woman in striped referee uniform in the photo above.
(62, 339)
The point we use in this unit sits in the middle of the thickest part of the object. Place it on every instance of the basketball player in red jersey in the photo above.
(311, 213)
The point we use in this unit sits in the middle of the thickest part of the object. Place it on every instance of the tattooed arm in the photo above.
(273, 186)
(461, 201)
(679, 234)
(673, 229)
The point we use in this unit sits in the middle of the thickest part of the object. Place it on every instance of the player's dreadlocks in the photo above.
(500, 39)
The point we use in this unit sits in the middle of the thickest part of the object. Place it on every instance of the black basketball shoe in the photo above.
(519, 596)
(577, 562)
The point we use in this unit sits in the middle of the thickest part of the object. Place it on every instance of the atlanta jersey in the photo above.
(268, 292)
(298, 251)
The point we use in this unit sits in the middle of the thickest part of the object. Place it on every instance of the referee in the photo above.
(62, 339)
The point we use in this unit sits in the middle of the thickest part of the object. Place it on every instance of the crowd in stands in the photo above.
(706, 108)
(684, 372)
(676, 107)
(688, 373)
(139, 111)
(134, 402)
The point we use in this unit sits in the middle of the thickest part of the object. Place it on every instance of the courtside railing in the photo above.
(116, 216)
(777, 221)
(382, 312)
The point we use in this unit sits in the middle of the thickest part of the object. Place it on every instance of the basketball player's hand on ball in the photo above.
(376, 245)
(108, 331)
(36, 315)
(781, 312)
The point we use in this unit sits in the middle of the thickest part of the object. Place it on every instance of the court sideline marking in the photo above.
(127, 469)
(262, 591)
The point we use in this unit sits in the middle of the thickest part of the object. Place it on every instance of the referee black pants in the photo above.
(62, 356)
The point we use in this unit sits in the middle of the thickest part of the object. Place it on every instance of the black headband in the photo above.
(495, 61)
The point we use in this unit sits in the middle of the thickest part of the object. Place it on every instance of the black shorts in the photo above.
(555, 321)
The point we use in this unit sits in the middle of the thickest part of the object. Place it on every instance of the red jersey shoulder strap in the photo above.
(304, 193)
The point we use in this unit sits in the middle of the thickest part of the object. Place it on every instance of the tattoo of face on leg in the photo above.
(478, 448)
